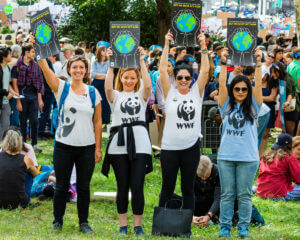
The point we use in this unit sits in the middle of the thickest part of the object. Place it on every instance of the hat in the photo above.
(282, 140)
(103, 43)
(68, 47)
(212, 112)
(190, 59)
(155, 47)
(65, 40)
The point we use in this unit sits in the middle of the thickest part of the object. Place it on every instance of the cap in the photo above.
(103, 43)
(65, 40)
(282, 140)
(68, 47)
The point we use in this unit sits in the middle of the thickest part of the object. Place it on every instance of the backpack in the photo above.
(59, 113)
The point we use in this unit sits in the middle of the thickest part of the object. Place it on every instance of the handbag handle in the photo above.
(173, 200)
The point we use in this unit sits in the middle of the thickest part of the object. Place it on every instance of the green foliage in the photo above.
(26, 2)
(6, 30)
(89, 21)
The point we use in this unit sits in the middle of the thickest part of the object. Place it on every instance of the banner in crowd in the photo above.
(186, 22)
(46, 42)
(124, 41)
(242, 41)
(8, 37)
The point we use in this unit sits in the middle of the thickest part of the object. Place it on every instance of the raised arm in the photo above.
(163, 66)
(109, 81)
(204, 71)
(257, 90)
(223, 92)
(50, 76)
(147, 87)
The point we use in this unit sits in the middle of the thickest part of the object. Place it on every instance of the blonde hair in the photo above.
(296, 141)
(12, 142)
(119, 85)
(204, 167)
(269, 155)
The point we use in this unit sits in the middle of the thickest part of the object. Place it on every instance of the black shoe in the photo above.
(85, 228)
(56, 227)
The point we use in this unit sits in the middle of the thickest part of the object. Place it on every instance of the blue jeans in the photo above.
(28, 184)
(14, 117)
(262, 125)
(48, 99)
(236, 180)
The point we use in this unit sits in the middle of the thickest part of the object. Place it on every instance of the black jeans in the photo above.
(130, 174)
(48, 99)
(30, 111)
(187, 161)
(64, 158)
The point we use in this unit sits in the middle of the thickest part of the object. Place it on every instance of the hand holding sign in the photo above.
(169, 38)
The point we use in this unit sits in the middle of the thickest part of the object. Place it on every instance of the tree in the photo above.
(163, 19)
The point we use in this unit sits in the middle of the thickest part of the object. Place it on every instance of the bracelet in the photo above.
(208, 215)
(204, 51)
(223, 63)
(258, 65)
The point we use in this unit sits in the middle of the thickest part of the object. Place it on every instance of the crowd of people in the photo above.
(79, 95)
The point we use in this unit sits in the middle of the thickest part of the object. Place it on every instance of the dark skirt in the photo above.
(99, 84)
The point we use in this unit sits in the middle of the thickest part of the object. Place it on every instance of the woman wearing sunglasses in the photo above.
(78, 139)
(182, 131)
(238, 157)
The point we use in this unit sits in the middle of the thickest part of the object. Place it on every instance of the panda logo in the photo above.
(131, 106)
(66, 128)
(186, 110)
(237, 120)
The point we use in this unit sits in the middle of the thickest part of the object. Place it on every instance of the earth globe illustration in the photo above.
(186, 22)
(43, 33)
(242, 41)
(124, 43)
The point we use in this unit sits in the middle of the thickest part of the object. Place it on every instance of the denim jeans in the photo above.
(236, 180)
(4, 118)
(14, 117)
(262, 125)
(28, 184)
(48, 99)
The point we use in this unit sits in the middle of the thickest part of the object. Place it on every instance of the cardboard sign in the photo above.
(125, 40)
(3, 17)
(186, 22)
(224, 16)
(242, 41)
(46, 43)
(263, 33)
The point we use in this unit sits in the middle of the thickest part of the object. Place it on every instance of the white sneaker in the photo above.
(37, 149)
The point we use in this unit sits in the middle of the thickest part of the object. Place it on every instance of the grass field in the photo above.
(282, 219)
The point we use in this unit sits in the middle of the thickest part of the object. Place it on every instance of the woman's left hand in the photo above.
(142, 53)
(201, 40)
(98, 155)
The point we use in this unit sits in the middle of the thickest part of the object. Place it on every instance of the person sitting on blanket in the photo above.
(13, 169)
(279, 172)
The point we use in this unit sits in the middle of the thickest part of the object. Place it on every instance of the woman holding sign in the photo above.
(238, 157)
(129, 148)
(182, 131)
(78, 137)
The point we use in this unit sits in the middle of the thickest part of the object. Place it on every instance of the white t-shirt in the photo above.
(183, 119)
(130, 107)
(64, 72)
(57, 68)
(78, 127)
(6, 80)
(265, 69)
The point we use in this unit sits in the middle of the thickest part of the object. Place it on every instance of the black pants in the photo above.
(187, 161)
(48, 99)
(130, 174)
(64, 158)
(30, 111)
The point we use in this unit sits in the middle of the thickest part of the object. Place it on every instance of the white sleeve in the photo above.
(60, 90)
(98, 97)
(112, 105)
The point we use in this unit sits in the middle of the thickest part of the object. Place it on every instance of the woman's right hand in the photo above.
(224, 54)
(19, 106)
(169, 37)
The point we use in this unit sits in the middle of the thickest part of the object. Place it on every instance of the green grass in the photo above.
(282, 219)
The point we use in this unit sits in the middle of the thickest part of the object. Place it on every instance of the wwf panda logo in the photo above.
(186, 110)
(66, 128)
(131, 106)
(237, 120)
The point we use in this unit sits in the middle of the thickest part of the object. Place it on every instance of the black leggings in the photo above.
(187, 161)
(130, 174)
(64, 158)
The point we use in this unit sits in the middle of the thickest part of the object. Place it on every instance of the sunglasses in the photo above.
(238, 89)
(270, 56)
(187, 78)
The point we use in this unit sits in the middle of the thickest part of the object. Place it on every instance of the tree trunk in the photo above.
(163, 19)
(297, 13)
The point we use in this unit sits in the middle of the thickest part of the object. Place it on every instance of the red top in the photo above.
(275, 179)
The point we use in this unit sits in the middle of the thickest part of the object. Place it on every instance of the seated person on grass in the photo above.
(279, 172)
(13, 168)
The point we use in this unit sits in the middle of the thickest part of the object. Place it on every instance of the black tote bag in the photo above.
(172, 222)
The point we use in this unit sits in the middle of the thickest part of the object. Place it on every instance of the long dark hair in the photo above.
(279, 68)
(246, 105)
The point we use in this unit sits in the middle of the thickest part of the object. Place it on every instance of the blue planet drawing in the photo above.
(43, 33)
(186, 22)
(124, 44)
(242, 41)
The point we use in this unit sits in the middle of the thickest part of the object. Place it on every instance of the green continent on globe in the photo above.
(124, 44)
(186, 22)
(242, 41)
(43, 33)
